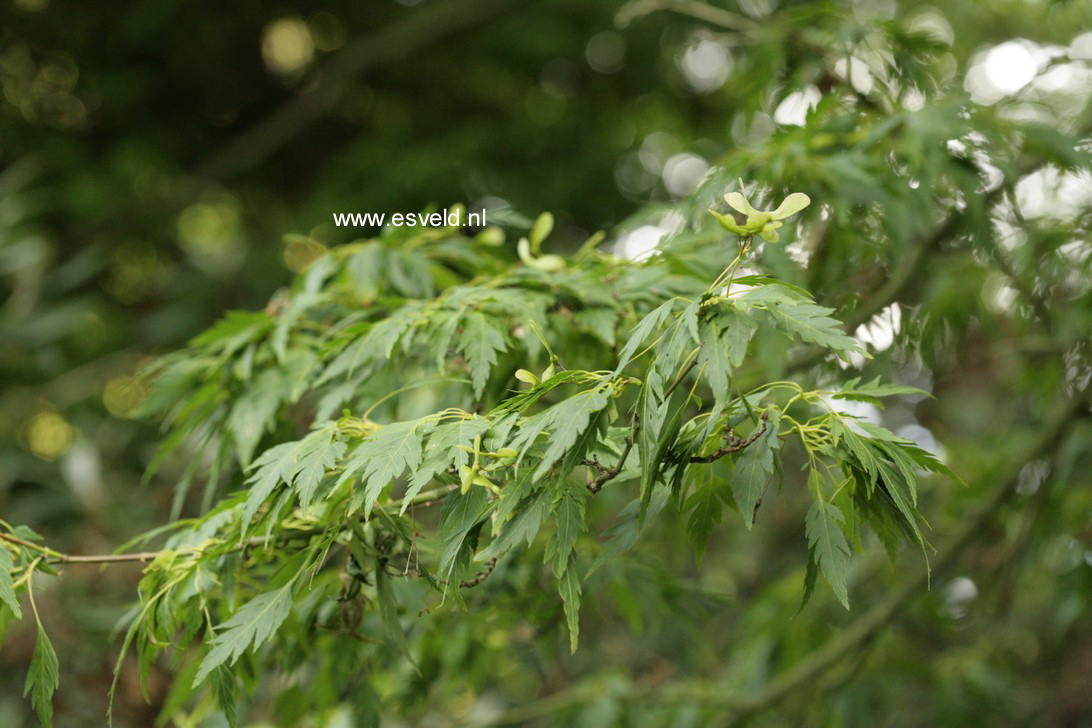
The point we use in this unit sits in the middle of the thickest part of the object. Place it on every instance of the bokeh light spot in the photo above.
(706, 65)
(683, 172)
(287, 46)
(1010, 66)
(793, 110)
(300, 252)
(122, 395)
(210, 231)
(48, 435)
(606, 52)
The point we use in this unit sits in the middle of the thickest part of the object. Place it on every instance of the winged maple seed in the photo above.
(759, 222)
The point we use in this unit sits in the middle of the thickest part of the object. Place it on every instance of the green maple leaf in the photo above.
(382, 457)
(813, 324)
(754, 467)
(824, 529)
(43, 677)
(252, 625)
(480, 342)
(569, 588)
(7, 587)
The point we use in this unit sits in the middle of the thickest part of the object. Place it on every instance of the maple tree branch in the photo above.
(52, 556)
(732, 446)
(605, 474)
(140, 557)
(481, 576)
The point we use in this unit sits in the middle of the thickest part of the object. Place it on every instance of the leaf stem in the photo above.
(682, 375)
(730, 271)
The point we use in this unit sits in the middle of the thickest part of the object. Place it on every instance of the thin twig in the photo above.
(51, 556)
(142, 557)
(605, 474)
(482, 575)
(732, 446)
(679, 379)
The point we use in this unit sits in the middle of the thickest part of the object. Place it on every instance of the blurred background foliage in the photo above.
(154, 155)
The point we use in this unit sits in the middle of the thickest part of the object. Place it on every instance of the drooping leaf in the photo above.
(223, 683)
(254, 412)
(313, 463)
(567, 420)
(234, 331)
(6, 618)
(810, 575)
(274, 466)
(375, 342)
(388, 612)
(901, 492)
(300, 464)
(670, 455)
(706, 510)
(674, 348)
(754, 467)
(570, 590)
(568, 510)
(251, 626)
(858, 447)
(43, 677)
(523, 527)
(724, 346)
(824, 530)
(651, 412)
(715, 362)
(460, 513)
(735, 328)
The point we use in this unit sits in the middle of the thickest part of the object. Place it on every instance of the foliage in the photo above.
(436, 448)
(498, 458)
